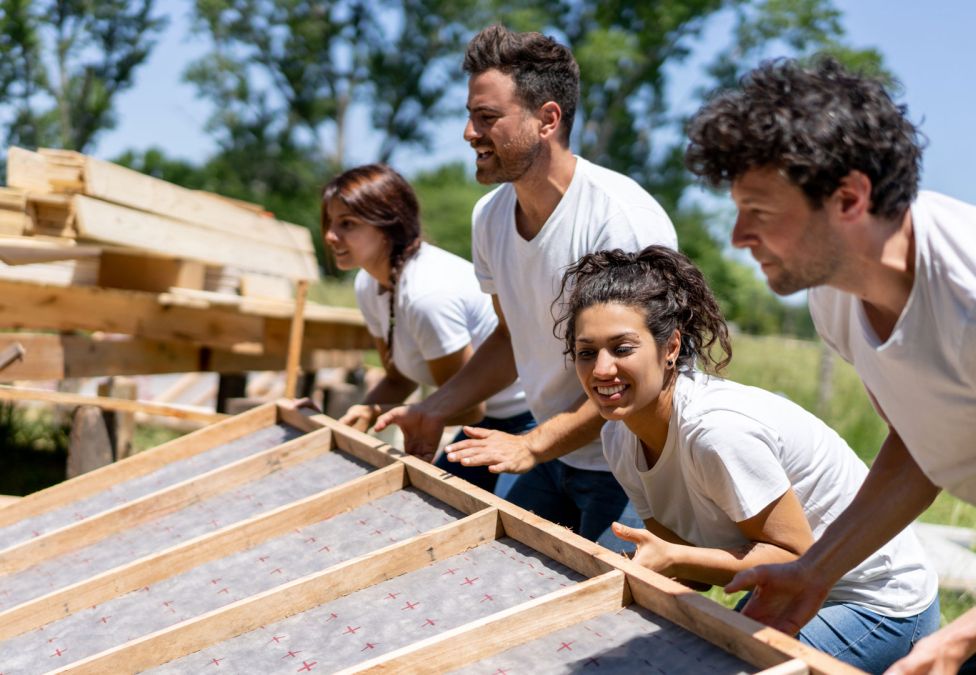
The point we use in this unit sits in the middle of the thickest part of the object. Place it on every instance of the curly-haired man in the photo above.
(823, 168)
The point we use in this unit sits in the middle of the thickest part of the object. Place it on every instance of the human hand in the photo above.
(652, 551)
(422, 431)
(942, 652)
(785, 596)
(499, 451)
(360, 417)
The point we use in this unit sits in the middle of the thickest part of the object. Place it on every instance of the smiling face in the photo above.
(796, 245)
(356, 243)
(502, 132)
(621, 368)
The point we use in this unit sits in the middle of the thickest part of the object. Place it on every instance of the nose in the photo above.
(605, 366)
(742, 234)
(470, 133)
(331, 237)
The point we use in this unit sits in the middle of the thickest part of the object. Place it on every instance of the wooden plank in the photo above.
(118, 184)
(158, 504)
(295, 339)
(27, 170)
(195, 552)
(266, 286)
(37, 306)
(361, 446)
(503, 630)
(139, 465)
(8, 393)
(103, 221)
(293, 598)
(739, 635)
(148, 273)
(28, 250)
(794, 667)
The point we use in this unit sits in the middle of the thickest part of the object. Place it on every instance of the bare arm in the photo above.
(788, 596)
(446, 367)
(942, 652)
(778, 533)
(489, 370)
(391, 390)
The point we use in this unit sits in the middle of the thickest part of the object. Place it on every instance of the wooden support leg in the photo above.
(121, 425)
(89, 446)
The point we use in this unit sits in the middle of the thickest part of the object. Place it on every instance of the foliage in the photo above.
(447, 196)
(34, 450)
(64, 62)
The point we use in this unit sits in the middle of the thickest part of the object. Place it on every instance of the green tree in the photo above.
(63, 64)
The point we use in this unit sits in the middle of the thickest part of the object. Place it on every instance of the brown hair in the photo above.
(380, 197)
(543, 69)
(661, 282)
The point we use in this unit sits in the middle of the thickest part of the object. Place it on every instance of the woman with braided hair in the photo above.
(725, 476)
(422, 304)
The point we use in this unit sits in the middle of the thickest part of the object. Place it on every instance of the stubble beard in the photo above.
(817, 268)
(510, 162)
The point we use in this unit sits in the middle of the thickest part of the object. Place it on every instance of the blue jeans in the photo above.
(480, 475)
(866, 640)
(587, 502)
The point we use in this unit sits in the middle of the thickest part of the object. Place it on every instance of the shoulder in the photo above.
(626, 214)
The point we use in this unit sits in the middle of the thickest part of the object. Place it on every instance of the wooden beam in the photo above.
(32, 306)
(56, 357)
(106, 222)
(8, 393)
(506, 629)
(115, 183)
(295, 339)
(158, 504)
(199, 550)
(293, 598)
(794, 667)
(146, 462)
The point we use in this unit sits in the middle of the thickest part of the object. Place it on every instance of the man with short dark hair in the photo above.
(552, 208)
(824, 168)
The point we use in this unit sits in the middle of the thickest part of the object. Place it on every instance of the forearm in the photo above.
(894, 493)
(390, 390)
(565, 432)
(472, 415)
(489, 370)
(717, 566)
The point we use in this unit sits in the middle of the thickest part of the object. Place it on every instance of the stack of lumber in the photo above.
(280, 541)
(70, 219)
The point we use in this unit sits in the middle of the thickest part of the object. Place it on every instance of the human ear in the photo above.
(673, 347)
(550, 114)
(853, 196)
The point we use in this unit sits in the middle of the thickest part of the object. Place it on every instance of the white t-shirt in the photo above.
(600, 210)
(731, 451)
(924, 375)
(439, 310)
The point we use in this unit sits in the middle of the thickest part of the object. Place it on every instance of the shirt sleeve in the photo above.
(368, 299)
(438, 324)
(480, 252)
(735, 464)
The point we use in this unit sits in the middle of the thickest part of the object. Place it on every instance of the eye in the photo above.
(584, 354)
(623, 350)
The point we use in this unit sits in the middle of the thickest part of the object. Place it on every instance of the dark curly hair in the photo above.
(543, 69)
(662, 283)
(380, 197)
(817, 124)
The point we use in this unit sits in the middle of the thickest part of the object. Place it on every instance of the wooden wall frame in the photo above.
(609, 582)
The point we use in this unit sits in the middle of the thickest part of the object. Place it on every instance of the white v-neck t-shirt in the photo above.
(600, 210)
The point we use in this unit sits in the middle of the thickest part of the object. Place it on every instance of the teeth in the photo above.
(610, 391)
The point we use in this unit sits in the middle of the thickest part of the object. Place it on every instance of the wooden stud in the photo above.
(8, 393)
(146, 462)
(295, 339)
(199, 550)
(293, 598)
(158, 504)
(495, 633)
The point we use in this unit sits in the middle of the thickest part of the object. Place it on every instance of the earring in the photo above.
(670, 363)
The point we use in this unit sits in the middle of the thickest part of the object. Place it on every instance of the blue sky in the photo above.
(930, 46)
